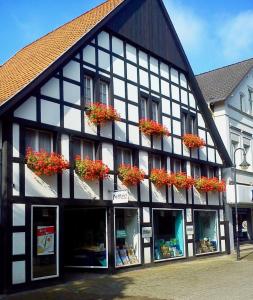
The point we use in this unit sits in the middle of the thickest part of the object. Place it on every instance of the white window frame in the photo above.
(37, 133)
(156, 105)
(91, 88)
(144, 101)
(107, 91)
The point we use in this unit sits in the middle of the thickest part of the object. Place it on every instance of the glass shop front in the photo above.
(127, 237)
(206, 231)
(169, 235)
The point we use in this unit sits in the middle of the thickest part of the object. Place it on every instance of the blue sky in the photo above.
(213, 33)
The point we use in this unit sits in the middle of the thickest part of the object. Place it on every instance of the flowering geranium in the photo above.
(159, 177)
(99, 113)
(150, 127)
(130, 175)
(204, 184)
(181, 180)
(44, 163)
(192, 141)
(89, 169)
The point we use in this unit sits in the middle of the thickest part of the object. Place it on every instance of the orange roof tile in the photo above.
(32, 60)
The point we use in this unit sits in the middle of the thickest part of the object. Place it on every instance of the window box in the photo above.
(130, 175)
(159, 177)
(204, 184)
(99, 113)
(150, 127)
(193, 141)
(181, 180)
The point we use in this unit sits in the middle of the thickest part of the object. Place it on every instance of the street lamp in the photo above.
(244, 166)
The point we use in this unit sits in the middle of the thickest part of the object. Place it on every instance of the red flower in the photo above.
(159, 177)
(181, 180)
(99, 113)
(44, 163)
(204, 184)
(130, 175)
(150, 127)
(193, 141)
(91, 170)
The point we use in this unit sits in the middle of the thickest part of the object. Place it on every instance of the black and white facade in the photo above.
(141, 78)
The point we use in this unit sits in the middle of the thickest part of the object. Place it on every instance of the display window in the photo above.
(85, 238)
(45, 254)
(206, 231)
(127, 237)
(169, 237)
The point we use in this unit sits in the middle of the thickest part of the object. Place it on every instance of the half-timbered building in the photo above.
(55, 215)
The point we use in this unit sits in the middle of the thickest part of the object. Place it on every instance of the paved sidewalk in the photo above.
(208, 278)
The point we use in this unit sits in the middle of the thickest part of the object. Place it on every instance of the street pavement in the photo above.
(216, 277)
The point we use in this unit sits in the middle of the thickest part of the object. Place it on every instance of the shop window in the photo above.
(38, 140)
(83, 148)
(124, 156)
(45, 254)
(85, 238)
(88, 90)
(155, 111)
(156, 162)
(144, 108)
(206, 232)
(104, 92)
(127, 237)
(168, 234)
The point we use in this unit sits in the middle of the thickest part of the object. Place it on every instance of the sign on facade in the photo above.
(146, 232)
(189, 230)
(120, 196)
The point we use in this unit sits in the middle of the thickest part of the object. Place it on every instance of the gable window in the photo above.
(189, 124)
(124, 156)
(85, 149)
(104, 92)
(38, 140)
(155, 111)
(144, 108)
(156, 162)
(88, 90)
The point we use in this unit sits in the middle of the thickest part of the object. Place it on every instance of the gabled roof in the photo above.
(32, 60)
(218, 84)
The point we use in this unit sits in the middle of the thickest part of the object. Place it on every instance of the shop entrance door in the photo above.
(85, 238)
(244, 224)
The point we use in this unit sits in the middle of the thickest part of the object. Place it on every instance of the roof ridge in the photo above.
(50, 32)
(224, 67)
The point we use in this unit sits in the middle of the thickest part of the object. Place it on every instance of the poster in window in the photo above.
(45, 240)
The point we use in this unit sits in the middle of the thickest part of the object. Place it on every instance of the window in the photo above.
(246, 146)
(234, 145)
(211, 172)
(189, 123)
(124, 156)
(193, 127)
(104, 92)
(242, 103)
(177, 166)
(83, 148)
(184, 123)
(196, 170)
(250, 101)
(38, 140)
(144, 108)
(155, 114)
(156, 162)
(88, 90)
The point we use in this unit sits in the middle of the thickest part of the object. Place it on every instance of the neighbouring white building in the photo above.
(229, 94)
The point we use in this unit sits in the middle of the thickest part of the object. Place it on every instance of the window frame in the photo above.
(92, 88)
(120, 152)
(37, 139)
(105, 81)
(82, 141)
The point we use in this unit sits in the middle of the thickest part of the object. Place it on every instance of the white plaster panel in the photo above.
(201, 121)
(18, 272)
(153, 65)
(221, 215)
(107, 155)
(175, 92)
(133, 113)
(144, 78)
(43, 186)
(72, 93)
(147, 255)
(15, 179)
(165, 88)
(104, 74)
(144, 190)
(131, 53)
(120, 131)
(118, 66)
(131, 73)
(103, 40)
(72, 70)
(158, 194)
(18, 243)
(50, 113)
(202, 134)
(119, 87)
(199, 198)
(203, 153)
(134, 134)
(211, 154)
(89, 55)
(120, 106)
(183, 81)
(52, 88)
(155, 83)
(223, 246)
(65, 146)
(176, 110)
(143, 161)
(176, 127)
(146, 240)
(132, 190)
(65, 184)
(72, 118)
(106, 130)
(145, 141)
(85, 189)
(222, 230)
(146, 215)
(179, 195)
(167, 145)
(104, 60)
(108, 187)
(218, 158)
(186, 151)
(27, 110)
(174, 75)
(18, 214)
(177, 146)
(213, 198)
(188, 215)
(15, 140)
(132, 92)
(143, 59)
(89, 127)
(209, 139)
(166, 106)
(157, 142)
(192, 101)
(190, 249)
(184, 97)
(164, 70)
(117, 46)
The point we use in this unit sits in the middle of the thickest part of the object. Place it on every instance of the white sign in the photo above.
(146, 232)
(120, 196)
(189, 230)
